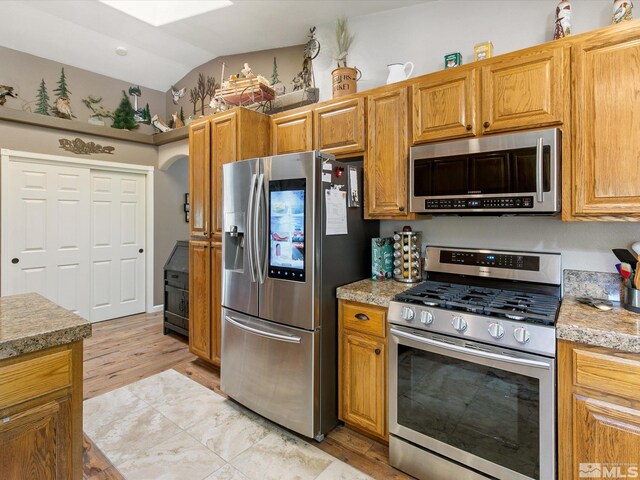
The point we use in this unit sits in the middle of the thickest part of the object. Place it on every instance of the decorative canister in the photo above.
(344, 81)
(407, 264)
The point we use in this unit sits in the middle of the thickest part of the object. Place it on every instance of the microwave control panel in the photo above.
(479, 203)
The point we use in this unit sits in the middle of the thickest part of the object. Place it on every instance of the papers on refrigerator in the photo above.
(336, 208)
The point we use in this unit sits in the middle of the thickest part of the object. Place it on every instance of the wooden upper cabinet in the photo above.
(339, 128)
(606, 102)
(200, 299)
(444, 106)
(386, 162)
(199, 179)
(292, 133)
(224, 141)
(525, 90)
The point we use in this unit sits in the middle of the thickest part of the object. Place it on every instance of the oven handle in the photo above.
(477, 353)
(540, 170)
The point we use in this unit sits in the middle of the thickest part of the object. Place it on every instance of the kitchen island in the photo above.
(40, 389)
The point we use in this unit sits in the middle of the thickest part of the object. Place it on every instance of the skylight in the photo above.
(159, 13)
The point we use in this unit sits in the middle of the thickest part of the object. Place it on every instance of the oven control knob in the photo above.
(496, 330)
(426, 317)
(521, 335)
(459, 323)
(407, 314)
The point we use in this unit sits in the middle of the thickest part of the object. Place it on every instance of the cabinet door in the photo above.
(444, 106)
(224, 141)
(606, 434)
(199, 178)
(386, 162)
(200, 300)
(606, 102)
(292, 133)
(339, 128)
(36, 443)
(527, 90)
(363, 383)
(216, 302)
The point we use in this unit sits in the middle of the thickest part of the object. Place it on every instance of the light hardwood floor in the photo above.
(129, 349)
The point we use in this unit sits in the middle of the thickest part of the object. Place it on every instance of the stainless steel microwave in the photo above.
(517, 173)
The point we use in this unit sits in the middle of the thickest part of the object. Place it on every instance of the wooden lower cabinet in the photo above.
(216, 302)
(205, 291)
(363, 369)
(41, 412)
(598, 411)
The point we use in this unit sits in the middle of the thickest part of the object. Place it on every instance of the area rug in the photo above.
(168, 427)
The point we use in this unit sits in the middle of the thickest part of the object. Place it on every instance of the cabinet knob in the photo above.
(141, 250)
(361, 316)
(15, 260)
(469, 127)
(486, 124)
(401, 209)
(377, 351)
(205, 233)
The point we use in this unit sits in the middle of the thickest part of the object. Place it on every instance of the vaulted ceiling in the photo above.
(86, 33)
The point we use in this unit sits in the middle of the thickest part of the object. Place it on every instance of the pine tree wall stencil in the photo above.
(62, 106)
(123, 116)
(62, 91)
(42, 104)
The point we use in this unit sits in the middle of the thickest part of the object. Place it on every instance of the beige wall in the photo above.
(169, 185)
(289, 65)
(24, 72)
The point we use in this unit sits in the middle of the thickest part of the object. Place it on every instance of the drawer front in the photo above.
(606, 373)
(364, 318)
(34, 377)
(177, 279)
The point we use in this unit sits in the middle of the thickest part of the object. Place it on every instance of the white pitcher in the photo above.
(398, 72)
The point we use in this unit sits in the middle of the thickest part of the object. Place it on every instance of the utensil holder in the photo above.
(631, 299)
(407, 262)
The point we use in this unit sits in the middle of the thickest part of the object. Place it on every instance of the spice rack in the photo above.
(407, 264)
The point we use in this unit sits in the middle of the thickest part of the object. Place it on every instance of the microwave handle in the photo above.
(540, 170)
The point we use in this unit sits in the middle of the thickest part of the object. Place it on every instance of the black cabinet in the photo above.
(176, 290)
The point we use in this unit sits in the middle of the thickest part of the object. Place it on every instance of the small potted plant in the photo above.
(344, 78)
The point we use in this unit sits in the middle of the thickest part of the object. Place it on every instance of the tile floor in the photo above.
(169, 427)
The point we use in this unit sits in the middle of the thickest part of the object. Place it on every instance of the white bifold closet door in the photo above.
(77, 237)
(47, 234)
(117, 244)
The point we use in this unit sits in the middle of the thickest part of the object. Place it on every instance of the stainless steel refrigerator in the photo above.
(285, 251)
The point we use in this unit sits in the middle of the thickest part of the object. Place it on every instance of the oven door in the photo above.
(485, 407)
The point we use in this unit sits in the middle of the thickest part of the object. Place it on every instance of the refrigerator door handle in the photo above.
(249, 231)
(259, 236)
(262, 333)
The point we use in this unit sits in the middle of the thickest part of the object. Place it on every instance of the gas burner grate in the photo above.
(511, 304)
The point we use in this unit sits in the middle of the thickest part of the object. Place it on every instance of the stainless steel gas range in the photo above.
(472, 367)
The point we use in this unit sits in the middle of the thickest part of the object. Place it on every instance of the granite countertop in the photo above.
(373, 293)
(30, 322)
(617, 328)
